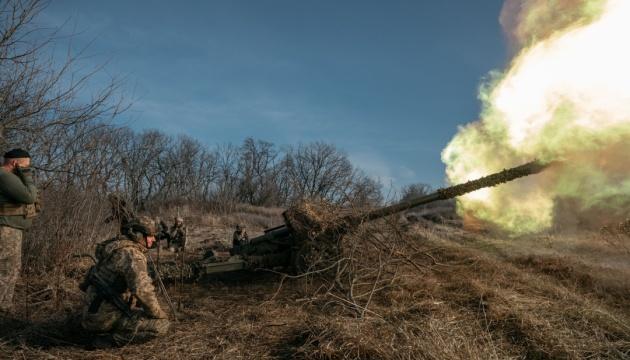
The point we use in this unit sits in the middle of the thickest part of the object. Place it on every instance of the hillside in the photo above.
(417, 291)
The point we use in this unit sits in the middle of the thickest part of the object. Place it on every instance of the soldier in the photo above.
(117, 283)
(18, 196)
(239, 238)
(177, 235)
(162, 231)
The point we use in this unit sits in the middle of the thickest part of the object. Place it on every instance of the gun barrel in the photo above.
(504, 176)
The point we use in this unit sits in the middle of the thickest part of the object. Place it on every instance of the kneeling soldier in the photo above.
(162, 232)
(120, 298)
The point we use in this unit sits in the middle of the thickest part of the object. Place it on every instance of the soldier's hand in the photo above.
(20, 171)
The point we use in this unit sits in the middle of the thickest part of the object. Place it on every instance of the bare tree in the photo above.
(364, 191)
(317, 170)
(258, 171)
(228, 174)
(35, 92)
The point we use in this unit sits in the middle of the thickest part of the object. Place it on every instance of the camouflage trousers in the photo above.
(124, 330)
(139, 329)
(10, 264)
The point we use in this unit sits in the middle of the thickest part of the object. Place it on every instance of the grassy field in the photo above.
(413, 291)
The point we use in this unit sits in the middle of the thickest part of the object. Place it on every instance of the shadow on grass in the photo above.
(60, 332)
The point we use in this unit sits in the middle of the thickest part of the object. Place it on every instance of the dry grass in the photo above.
(420, 293)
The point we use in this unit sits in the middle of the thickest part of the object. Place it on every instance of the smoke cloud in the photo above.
(565, 96)
(528, 21)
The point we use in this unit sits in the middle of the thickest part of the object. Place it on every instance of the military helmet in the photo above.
(142, 224)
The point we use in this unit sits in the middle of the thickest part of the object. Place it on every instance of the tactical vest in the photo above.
(28, 211)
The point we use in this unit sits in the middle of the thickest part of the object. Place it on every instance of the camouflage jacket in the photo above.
(122, 263)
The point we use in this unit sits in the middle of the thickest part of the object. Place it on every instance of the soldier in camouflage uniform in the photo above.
(18, 196)
(177, 235)
(162, 231)
(135, 315)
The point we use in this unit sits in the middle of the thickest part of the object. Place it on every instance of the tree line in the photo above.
(151, 167)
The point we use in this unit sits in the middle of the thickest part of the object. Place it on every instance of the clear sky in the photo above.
(388, 82)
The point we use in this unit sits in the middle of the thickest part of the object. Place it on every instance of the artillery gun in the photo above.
(313, 231)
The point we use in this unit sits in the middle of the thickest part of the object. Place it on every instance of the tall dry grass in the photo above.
(401, 292)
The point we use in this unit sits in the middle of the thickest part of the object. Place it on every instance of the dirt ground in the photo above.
(458, 295)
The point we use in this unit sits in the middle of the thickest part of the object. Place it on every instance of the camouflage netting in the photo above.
(318, 228)
(311, 219)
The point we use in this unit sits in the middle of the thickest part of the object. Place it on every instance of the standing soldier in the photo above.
(17, 208)
(177, 235)
(117, 283)
(239, 238)
(162, 231)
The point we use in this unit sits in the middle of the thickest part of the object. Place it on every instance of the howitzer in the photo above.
(313, 231)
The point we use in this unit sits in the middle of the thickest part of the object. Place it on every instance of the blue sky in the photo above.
(388, 82)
